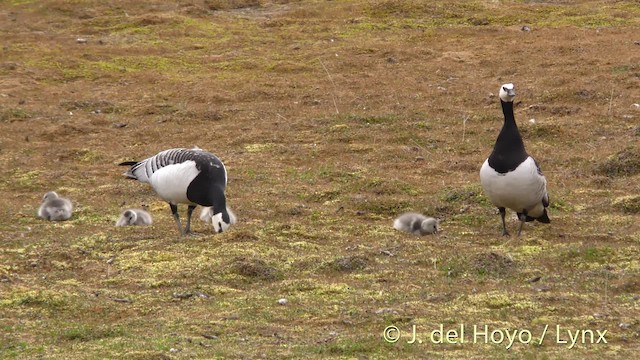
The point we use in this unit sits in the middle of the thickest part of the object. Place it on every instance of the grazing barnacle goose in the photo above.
(54, 207)
(416, 224)
(134, 217)
(510, 177)
(186, 176)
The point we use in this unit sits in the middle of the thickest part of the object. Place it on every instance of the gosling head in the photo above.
(429, 226)
(130, 216)
(50, 196)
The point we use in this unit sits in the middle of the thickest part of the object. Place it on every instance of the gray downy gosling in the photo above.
(134, 217)
(416, 224)
(55, 208)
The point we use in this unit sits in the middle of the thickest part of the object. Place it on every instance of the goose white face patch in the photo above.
(218, 224)
(507, 92)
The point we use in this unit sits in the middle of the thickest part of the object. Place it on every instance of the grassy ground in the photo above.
(332, 117)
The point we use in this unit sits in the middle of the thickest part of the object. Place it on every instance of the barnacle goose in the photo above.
(54, 207)
(510, 177)
(186, 176)
(134, 217)
(416, 224)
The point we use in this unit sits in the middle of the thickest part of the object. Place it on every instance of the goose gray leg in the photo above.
(520, 229)
(176, 217)
(503, 212)
(189, 212)
(522, 217)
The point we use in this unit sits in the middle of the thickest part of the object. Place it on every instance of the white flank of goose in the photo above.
(134, 217)
(416, 224)
(510, 177)
(186, 176)
(54, 207)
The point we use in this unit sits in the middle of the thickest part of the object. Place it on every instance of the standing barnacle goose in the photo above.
(186, 176)
(510, 177)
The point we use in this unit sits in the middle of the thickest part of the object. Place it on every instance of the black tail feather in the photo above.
(127, 163)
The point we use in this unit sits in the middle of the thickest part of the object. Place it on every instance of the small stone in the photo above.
(419, 158)
(386, 252)
(283, 301)
(532, 121)
(97, 111)
(623, 326)
(173, 350)
(534, 279)
(526, 28)
(119, 125)
(81, 40)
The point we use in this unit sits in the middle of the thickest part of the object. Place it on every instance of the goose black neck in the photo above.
(509, 151)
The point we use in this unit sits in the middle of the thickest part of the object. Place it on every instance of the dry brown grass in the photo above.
(332, 117)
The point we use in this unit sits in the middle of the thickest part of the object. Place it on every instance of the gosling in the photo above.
(55, 208)
(134, 217)
(416, 224)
